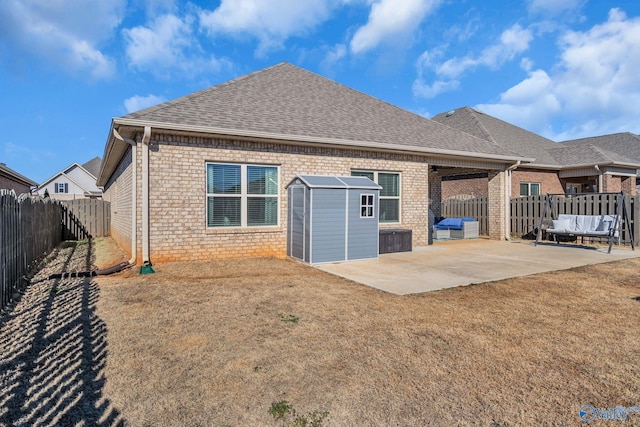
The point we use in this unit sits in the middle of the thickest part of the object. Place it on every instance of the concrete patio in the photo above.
(463, 262)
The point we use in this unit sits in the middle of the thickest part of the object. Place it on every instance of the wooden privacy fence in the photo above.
(477, 208)
(526, 211)
(29, 228)
(88, 217)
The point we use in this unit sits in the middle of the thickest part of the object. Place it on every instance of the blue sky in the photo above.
(561, 68)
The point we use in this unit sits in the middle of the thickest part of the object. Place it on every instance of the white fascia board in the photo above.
(321, 140)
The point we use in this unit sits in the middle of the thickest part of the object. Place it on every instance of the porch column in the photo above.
(497, 205)
(435, 193)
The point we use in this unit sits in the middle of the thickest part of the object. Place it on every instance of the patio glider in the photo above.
(578, 225)
(457, 228)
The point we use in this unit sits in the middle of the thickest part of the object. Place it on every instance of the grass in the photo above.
(215, 343)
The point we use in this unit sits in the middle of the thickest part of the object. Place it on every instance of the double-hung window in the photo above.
(529, 189)
(389, 195)
(62, 187)
(242, 195)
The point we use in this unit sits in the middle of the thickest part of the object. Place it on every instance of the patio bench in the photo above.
(585, 225)
(457, 228)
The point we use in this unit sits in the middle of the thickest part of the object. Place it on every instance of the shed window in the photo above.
(62, 187)
(242, 195)
(389, 195)
(366, 206)
(529, 189)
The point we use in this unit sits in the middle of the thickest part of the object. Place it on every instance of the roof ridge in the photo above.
(204, 91)
(473, 113)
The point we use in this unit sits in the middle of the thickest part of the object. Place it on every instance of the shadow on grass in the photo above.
(53, 355)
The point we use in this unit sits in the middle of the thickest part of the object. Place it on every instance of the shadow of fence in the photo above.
(54, 350)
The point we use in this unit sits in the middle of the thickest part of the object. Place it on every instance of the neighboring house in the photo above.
(622, 149)
(570, 167)
(12, 180)
(74, 182)
(204, 176)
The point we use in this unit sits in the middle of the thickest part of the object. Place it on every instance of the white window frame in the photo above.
(368, 205)
(529, 184)
(381, 197)
(243, 196)
(61, 187)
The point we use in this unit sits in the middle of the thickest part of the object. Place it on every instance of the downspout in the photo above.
(134, 195)
(599, 178)
(146, 268)
(507, 201)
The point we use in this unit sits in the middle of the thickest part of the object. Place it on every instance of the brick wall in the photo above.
(118, 192)
(629, 185)
(549, 181)
(464, 188)
(8, 184)
(435, 194)
(178, 200)
(611, 183)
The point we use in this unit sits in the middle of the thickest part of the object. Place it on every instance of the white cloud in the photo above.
(270, 21)
(594, 85)
(66, 33)
(390, 20)
(513, 41)
(334, 55)
(138, 102)
(167, 44)
(554, 7)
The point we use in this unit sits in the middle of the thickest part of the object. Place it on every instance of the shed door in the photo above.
(297, 222)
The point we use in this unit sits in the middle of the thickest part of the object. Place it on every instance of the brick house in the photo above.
(12, 180)
(601, 164)
(203, 176)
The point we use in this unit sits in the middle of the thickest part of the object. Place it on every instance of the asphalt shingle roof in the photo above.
(501, 133)
(617, 147)
(93, 166)
(287, 100)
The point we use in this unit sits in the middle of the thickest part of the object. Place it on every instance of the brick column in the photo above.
(435, 193)
(497, 208)
(611, 184)
(629, 185)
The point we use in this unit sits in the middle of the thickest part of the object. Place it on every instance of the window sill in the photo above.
(244, 230)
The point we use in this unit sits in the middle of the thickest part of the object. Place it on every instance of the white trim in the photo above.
(322, 140)
(373, 213)
(346, 225)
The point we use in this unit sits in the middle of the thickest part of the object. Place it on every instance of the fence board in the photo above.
(525, 212)
(29, 228)
(93, 214)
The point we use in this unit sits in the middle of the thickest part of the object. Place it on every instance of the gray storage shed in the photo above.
(332, 218)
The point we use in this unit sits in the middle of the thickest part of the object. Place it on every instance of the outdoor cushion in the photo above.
(452, 223)
(561, 225)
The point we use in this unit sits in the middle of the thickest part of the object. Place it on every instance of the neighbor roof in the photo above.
(93, 166)
(616, 147)
(501, 133)
(287, 103)
(15, 176)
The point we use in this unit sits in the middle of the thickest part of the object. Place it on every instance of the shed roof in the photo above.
(15, 176)
(328, 181)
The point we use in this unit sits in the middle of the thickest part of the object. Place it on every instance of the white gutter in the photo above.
(145, 194)
(316, 139)
(507, 200)
(134, 195)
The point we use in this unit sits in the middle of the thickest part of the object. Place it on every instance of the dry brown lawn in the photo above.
(216, 343)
